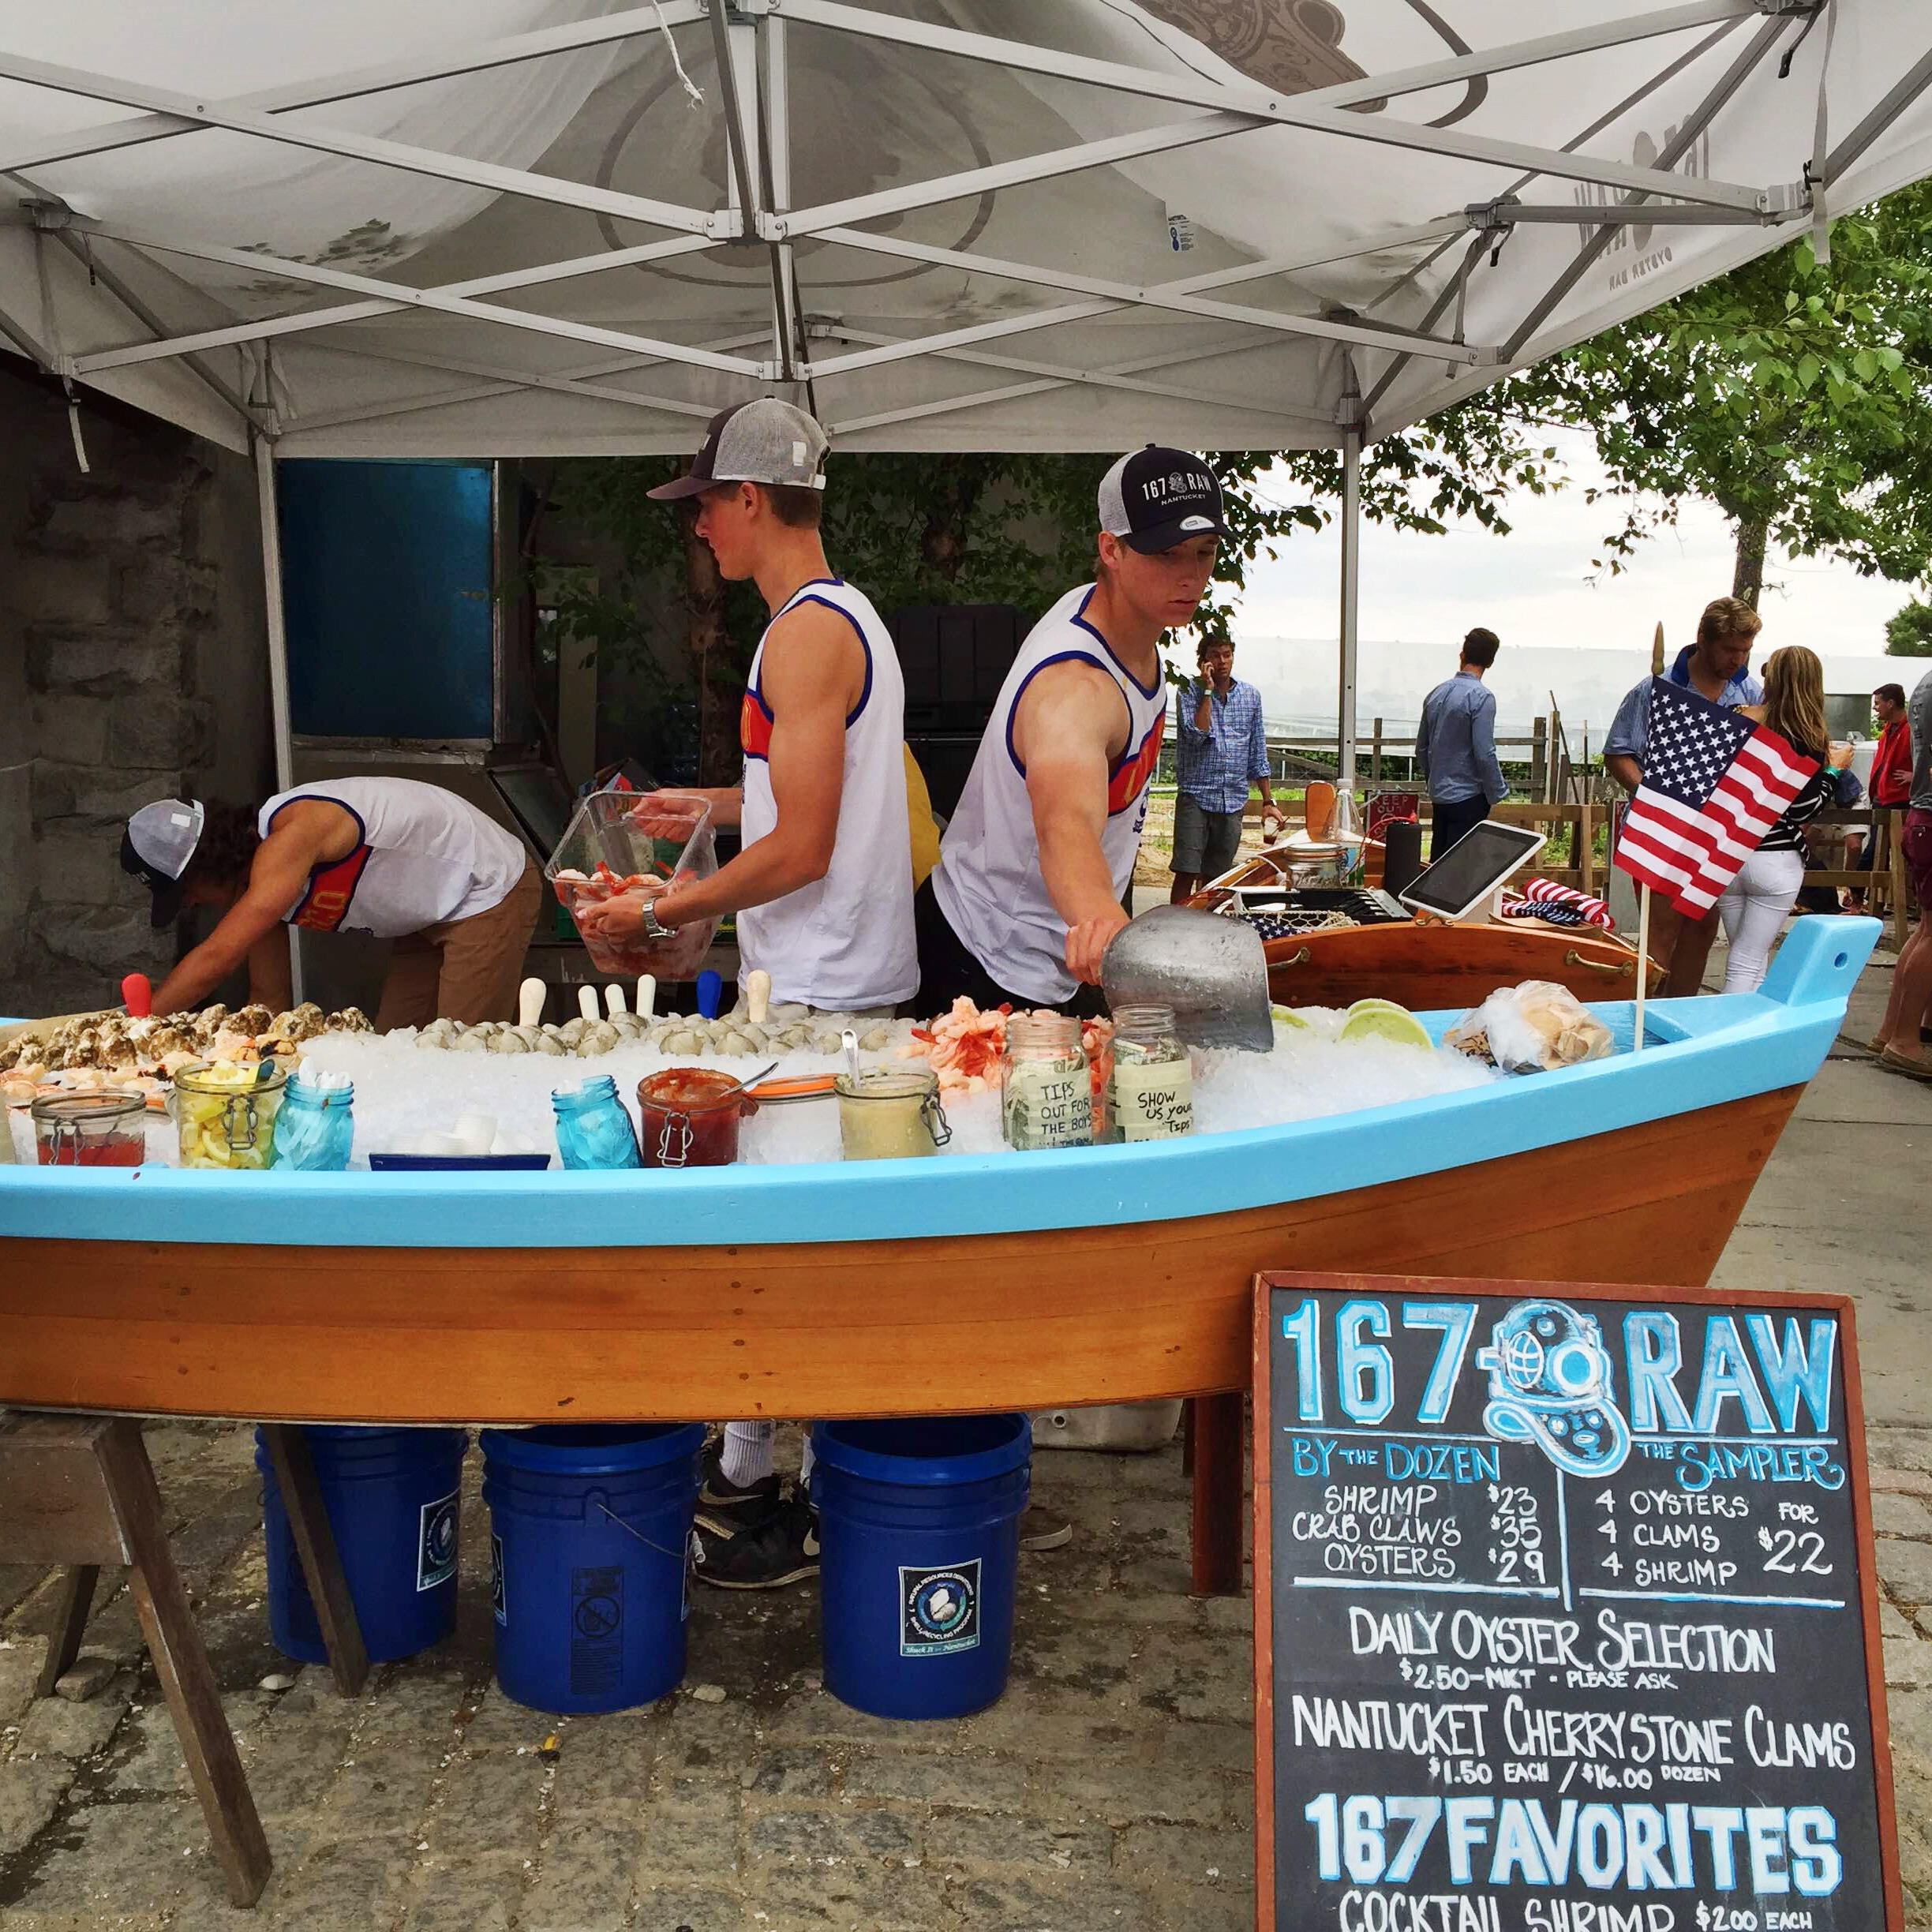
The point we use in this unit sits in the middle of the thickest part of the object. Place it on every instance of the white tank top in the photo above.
(845, 942)
(989, 883)
(425, 856)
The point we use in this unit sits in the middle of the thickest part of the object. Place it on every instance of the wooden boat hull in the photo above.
(1428, 968)
(1027, 1319)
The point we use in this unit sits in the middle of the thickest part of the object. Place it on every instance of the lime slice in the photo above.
(1384, 1021)
(1287, 1016)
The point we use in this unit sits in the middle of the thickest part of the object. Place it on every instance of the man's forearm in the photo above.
(1625, 770)
(199, 974)
(768, 869)
(1078, 878)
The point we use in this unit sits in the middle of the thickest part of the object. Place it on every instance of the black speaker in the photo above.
(1401, 840)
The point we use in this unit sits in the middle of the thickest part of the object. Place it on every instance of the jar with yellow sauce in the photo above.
(1150, 1087)
(226, 1114)
(1047, 1092)
(889, 1114)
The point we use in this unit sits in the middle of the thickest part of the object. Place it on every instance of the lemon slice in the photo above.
(1384, 1020)
(1287, 1016)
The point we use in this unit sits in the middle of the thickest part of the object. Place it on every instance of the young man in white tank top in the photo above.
(1040, 854)
(823, 887)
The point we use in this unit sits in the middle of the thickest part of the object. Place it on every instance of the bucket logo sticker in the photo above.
(939, 1610)
(497, 1587)
(597, 1630)
(1550, 1384)
(435, 1543)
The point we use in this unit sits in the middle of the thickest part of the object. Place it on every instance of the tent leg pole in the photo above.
(278, 653)
(1351, 607)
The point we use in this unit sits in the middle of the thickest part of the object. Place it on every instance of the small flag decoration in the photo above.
(1558, 905)
(1713, 785)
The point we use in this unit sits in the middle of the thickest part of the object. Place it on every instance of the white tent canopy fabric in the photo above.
(477, 227)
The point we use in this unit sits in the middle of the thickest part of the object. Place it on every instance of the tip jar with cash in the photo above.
(1149, 1090)
(1046, 1090)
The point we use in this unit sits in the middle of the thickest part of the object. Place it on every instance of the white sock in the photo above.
(805, 1467)
(747, 1456)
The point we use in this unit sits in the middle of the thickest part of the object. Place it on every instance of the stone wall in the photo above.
(132, 665)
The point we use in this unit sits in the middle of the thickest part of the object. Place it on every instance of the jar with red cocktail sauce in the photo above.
(688, 1116)
(90, 1130)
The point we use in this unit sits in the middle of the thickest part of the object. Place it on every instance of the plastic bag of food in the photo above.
(1534, 1027)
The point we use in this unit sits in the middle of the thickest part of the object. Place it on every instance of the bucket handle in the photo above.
(677, 1556)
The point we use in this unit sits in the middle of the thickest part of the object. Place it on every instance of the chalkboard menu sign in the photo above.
(1565, 1615)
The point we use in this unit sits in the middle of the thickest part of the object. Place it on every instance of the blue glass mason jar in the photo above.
(315, 1126)
(593, 1129)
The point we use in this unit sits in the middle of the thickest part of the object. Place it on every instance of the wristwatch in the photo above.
(654, 928)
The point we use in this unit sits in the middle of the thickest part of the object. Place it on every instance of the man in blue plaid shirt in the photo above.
(1221, 746)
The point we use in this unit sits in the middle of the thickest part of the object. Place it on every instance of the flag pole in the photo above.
(1643, 961)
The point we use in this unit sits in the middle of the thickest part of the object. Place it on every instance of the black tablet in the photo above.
(1454, 885)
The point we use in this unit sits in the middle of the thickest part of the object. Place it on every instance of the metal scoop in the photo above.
(1211, 971)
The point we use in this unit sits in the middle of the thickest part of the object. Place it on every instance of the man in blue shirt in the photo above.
(1456, 746)
(1221, 746)
(1717, 666)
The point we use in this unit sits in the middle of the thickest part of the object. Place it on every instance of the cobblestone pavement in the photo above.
(1110, 1787)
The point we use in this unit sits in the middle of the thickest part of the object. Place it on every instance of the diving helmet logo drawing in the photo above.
(1549, 1383)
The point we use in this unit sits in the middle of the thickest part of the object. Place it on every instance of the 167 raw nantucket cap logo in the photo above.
(939, 1610)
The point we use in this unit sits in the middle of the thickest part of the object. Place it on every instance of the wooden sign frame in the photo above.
(1391, 1285)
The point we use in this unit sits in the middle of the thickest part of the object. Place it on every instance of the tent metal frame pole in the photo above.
(433, 162)
(1689, 132)
(356, 82)
(1896, 99)
(774, 48)
(1351, 608)
(306, 319)
(399, 297)
(1325, 110)
(1113, 294)
(270, 509)
(582, 381)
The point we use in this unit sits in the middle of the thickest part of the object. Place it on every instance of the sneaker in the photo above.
(784, 1548)
(1041, 1530)
(738, 1507)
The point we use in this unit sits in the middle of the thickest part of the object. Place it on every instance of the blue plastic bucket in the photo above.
(920, 1562)
(590, 1526)
(393, 1497)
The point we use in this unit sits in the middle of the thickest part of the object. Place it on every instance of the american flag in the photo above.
(1713, 785)
(1558, 905)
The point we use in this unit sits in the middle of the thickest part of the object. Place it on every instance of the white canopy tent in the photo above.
(478, 227)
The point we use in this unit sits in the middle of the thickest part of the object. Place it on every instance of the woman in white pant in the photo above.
(1756, 902)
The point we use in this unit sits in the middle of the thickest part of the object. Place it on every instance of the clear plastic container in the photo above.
(593, 1129)
(226, 1114)
(618, 839)
(314, 1127)
(1046, 1092)
(90, 1130)
(689, 1117)
(890, 1115)
(1149, 1089)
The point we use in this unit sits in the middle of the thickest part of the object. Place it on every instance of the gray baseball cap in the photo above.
(764, 441)
(159, 841)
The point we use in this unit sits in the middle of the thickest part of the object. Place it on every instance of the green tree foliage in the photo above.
(1909, 633)
(1797, 396)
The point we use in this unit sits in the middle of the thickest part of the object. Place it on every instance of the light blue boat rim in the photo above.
(1708, 1052)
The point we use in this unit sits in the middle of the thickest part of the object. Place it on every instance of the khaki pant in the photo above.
(464, 969)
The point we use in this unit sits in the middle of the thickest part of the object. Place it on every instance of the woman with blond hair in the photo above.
(1757, 902)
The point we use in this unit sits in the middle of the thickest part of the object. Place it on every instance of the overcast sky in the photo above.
(1534, 588)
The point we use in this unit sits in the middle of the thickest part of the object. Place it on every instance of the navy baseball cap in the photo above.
(159, 841)
(1157, 498)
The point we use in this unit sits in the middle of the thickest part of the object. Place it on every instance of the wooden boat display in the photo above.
(1425, 963)
(981, 1281)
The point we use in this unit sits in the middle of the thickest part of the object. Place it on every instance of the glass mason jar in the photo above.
(890, 1115)
(689, 1117)
(90, 1130)
(593, 1129)
(315, 1128)
(1045, 1092)
(226, 1114)
(1150, 1090)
